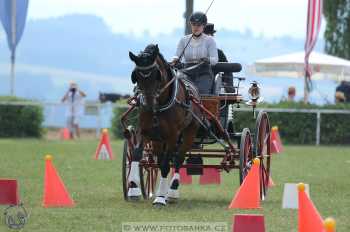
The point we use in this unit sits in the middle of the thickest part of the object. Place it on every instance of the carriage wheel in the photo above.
(149, 175)
(126, 164)
(245, 154)
(262, 150)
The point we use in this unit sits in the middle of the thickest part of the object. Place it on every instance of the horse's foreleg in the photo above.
(174, 193)
(163, 182)
(178, 160)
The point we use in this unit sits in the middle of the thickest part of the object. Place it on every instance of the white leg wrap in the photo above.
(174, 193)
(134, 177)
(134, 192)
(135, 173)
(163, 187)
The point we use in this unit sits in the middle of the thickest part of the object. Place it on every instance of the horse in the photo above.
(167, 119)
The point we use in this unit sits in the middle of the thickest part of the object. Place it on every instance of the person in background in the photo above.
(227, 78)
(291, 93)
(342, 92)
(74, 98)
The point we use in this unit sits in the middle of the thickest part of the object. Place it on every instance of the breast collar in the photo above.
(175, 90)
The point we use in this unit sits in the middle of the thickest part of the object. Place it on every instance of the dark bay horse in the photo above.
(166, 118)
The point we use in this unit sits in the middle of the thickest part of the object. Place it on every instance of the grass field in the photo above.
(97, 189)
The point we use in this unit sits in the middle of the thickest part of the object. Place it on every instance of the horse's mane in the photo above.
(153, 48)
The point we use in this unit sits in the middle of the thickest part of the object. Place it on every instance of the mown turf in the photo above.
(96, 188)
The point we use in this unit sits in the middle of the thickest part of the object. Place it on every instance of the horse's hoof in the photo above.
(134, 198)
(159, 201)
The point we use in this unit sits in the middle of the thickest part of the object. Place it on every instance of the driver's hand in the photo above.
(174, 62)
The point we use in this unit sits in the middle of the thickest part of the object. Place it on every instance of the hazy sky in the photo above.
(270, 17)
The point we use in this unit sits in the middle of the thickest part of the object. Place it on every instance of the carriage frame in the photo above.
(237, 149)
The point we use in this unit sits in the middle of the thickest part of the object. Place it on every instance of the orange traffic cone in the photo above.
(55, 193)
(65, 134)
(248, 194)
(309, 218)
(104, 149)
(329, 225)
(276, 144)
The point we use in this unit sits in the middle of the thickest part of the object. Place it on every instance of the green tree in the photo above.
(337, 34)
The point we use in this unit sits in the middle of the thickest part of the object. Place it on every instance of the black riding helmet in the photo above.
(198, 17)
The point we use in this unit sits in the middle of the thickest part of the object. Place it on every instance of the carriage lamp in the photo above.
(254, 91)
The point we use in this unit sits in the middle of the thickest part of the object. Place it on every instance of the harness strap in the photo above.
(167, 85)
(147, 67)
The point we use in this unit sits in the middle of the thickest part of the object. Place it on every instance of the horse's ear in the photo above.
(132, 56)
(133, 77)
(157, 48)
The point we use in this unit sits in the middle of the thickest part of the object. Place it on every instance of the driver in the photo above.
(200, 48)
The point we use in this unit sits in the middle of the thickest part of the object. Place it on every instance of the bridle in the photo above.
(146, 72)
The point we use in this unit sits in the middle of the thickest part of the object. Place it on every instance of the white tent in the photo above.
(292, 65)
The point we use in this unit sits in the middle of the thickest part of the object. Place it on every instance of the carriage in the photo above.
(215, 139)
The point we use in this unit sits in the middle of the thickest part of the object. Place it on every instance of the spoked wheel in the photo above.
(245, 154)
(262, 150)
(126, 167)
(149, 174)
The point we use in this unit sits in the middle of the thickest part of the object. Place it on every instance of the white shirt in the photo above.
(75, 104)
(201, 47)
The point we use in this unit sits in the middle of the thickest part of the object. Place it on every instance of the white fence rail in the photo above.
(97, 115)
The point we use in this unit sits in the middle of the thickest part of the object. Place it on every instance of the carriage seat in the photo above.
(226, 67)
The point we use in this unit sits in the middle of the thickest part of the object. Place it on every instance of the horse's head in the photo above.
(148, 73)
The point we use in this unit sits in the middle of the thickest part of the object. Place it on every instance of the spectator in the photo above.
(342, 92)
(291, 93)
(75, 102)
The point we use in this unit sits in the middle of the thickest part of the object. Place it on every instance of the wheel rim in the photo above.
(126, 168)
(149, 175)
(263, 151)
(246, 154)
(150, 179)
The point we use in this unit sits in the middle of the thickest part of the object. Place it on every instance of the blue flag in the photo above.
(13, 14)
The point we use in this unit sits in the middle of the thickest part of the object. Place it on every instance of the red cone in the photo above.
(248, 194)
(276, 144)
(55, 193)
(65, 134)
(309, 218)
(104, 149)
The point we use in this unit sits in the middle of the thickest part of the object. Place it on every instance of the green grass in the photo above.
(97, 189)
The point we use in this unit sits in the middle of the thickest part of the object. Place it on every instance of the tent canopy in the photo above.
(292, 65)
